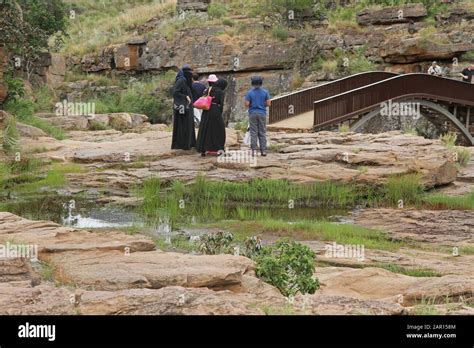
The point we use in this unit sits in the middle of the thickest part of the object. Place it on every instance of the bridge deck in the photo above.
(302, 121)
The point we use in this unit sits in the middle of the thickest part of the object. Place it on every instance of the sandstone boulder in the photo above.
(79, 122)
(14, 269)
(51, 237)
(20, 298)
(379, 284)
(117, 270)
(172, 300)
(448, 227)
(56, 71)
(320, 304)
(417, 50)
(455, 15)
(389, 15)
(26, 130)
(192, 5)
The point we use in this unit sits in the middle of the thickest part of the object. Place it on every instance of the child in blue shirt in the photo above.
(257, 100)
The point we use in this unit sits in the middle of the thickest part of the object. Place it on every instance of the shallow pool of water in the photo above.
(80, 212)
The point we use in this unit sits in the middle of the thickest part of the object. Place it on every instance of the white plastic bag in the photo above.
(246, 140)
(197, 116)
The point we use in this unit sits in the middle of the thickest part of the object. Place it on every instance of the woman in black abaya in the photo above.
(184, 135)
(211, 136)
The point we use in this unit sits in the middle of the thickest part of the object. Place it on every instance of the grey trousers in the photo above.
(258, 130)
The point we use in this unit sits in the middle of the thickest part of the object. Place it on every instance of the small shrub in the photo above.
(97, 125)
(343, 128)
(408, 188)
(409, 130)
(216, 9)
(279, 32)
(25, 165)
(449, 139)
(16, 88)
(216, 243)
(468, 56)
(289, 266)
(10, 135)
(119, 124)
(297, 81)
(329, 66)
(44, 99)
(252, 247)
(229, 22)
(463, 156)
(21, 108)
(317, 64)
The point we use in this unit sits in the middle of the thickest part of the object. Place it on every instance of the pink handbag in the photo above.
(204, 103)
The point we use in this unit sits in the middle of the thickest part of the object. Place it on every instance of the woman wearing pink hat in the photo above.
(211, 136)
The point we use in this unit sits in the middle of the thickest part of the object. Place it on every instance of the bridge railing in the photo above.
(341, 107)
(299, 102)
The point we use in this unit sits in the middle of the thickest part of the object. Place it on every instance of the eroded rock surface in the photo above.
(380, 284)
(114, 273)
(303, 158)
(448, 227)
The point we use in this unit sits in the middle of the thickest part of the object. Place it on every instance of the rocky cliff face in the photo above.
(394, 38)
(3, 87)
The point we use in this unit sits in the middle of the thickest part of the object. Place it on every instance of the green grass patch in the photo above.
(310, 230)
(404, 190)
(46, 271)
(413, 272)
(441, 201)
(280, 33)
(24, 110)
(54, 178)
(46, 126)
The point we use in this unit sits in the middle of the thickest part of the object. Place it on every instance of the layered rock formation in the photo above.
(306, 157)
(120, 120)
(114, 273)
(212, 50)
(192, 5)
(448, 227)
(390, 15)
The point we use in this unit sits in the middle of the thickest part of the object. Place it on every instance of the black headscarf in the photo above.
(221, 83)
(188, 75)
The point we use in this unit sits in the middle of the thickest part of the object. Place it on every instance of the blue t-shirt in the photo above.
(257, 97)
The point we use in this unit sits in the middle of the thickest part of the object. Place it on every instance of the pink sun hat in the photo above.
(212, 78)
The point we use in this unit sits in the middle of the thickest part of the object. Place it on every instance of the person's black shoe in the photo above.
(203, 154)
(253, 153)
(264, 154)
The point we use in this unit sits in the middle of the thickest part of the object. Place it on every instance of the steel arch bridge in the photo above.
(359, 98)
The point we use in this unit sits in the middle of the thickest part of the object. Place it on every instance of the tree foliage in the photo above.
(26, 25)
(289, 266)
